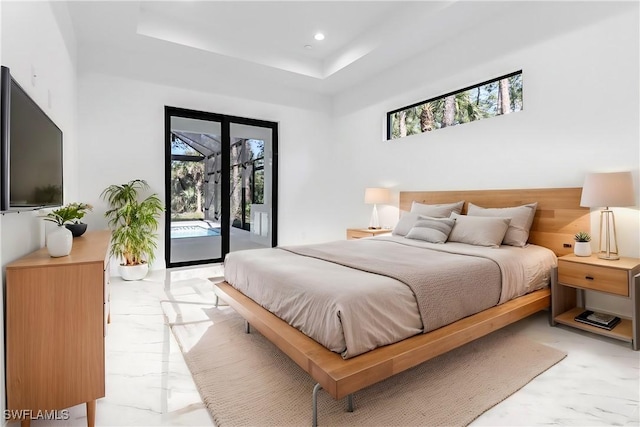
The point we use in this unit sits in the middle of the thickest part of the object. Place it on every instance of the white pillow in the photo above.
(433, 230)
(406, 223)
(521, 220)
(479, 230)
(437, 211)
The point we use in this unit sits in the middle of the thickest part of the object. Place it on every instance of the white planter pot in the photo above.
(59, 242)
(582, 249)
(134, 272)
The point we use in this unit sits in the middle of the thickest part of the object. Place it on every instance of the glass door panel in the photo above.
(195, 190)
(221, 185)
(251, 187)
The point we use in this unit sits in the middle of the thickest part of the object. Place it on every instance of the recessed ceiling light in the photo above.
(308, 46)
(319, 36)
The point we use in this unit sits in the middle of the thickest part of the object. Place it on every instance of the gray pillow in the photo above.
(406, 223)
(479, 230)
(434, 230)
(437, 211)
(521, 220)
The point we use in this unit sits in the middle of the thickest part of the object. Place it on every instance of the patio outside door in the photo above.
(221, 182)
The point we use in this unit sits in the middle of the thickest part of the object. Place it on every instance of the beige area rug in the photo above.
(244, 380)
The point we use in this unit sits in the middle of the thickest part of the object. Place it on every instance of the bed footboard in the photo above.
(340, 377)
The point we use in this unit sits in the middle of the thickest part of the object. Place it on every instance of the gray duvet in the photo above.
(353, 296)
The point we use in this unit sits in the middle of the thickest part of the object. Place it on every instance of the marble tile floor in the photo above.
(148, 382)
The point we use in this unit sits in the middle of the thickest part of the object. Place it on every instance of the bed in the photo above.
(341, 373)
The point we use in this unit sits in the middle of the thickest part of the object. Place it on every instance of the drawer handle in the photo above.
(588, 277)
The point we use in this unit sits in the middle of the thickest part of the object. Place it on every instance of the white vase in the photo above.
(582, 249)
(134, 272)
(59, 242)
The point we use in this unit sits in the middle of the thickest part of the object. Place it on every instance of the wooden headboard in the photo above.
(559, 215)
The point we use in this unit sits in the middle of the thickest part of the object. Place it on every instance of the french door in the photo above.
(220, 185)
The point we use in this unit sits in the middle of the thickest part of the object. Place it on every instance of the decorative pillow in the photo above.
(437, 211)
(406, 223)
(434, 230)
(479, 230)
(521, 220)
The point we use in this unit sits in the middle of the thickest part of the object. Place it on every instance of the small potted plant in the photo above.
(60, 240)
(134, 223)
(70, 215)
(582, 246)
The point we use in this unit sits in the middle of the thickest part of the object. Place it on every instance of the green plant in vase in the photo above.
(133, 222)
(70, 216)
(582, 236)
(582, 246)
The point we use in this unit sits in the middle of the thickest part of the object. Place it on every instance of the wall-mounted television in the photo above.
(30, 150)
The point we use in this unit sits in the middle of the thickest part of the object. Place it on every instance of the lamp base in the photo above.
(608, 236)
(610, 257)
(374, 224)
(375, 228)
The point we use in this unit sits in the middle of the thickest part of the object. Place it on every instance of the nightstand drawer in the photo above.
(358, 234)
(604, 279)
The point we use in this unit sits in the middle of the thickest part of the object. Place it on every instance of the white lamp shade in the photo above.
(375, 196)
(608, 190)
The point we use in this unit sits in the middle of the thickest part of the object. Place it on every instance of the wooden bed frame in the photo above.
(558, 217)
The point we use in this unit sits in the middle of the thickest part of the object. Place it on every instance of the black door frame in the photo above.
(225, 125)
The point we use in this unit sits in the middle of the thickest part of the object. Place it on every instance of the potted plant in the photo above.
(70, 215)
(59, 240)
(134, 223)
(582, 246)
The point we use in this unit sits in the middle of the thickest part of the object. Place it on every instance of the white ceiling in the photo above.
(272, 34)
(213, 43)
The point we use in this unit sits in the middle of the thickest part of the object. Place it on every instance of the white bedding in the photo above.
(350, 311)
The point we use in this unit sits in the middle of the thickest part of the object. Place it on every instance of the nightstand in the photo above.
(576, 274)
(359, 233)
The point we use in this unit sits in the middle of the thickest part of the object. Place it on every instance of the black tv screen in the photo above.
(31, 150)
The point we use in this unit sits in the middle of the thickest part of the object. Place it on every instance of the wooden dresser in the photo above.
(56, 319)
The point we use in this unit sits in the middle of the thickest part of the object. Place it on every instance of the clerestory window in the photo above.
(495, 97)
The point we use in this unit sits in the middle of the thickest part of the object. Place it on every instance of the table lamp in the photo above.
(374, 196)
(608, 190)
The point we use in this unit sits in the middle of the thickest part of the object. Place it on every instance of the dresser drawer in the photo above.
(106, 284)
(604, 279)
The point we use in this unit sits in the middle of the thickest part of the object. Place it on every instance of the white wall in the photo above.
(47, 54)
(121, 126)
(581, 114)
(31, 38)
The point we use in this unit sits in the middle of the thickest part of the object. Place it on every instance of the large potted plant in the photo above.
(133, 223)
